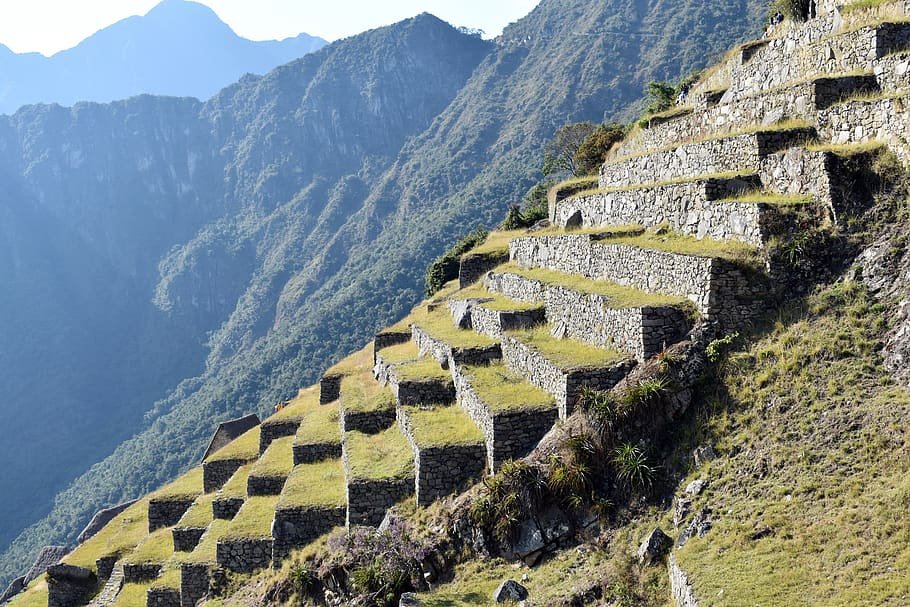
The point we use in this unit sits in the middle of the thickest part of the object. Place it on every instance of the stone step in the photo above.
(330, 384)
(230, 497)
(269, 473)
(319, 436)
(311, 505)
(449, 449)
(719, 278)
(193, 524)
(379, 473)
(414, 379)
(366, 405)
(491, 315)
(435, 334)
(167, 505)
(286, 420)
(221, 465)
(563, 367)
(246, 544)
(732, 153)
(512, 414)
(600, 313)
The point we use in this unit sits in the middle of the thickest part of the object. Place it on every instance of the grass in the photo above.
(200, 513)
(850, 149)
(362, 359)
(118, 537)
(206, 550)
(620, 297)
(319, 484)
(662, 184)
(254, 519)
(277, 460)
(306, 401)
(363, 394)
(496, 243)
(438, 324)
(133, 595)
(815, 448)
(443, 426)
(188, 486)
(503, 390)
(170, 577)
(386, 455)
(400, 353)
(682, 244)
(771, 198)
(156, 548)
(423, 369)
(497, 303)
(245, 447)
(35, 595)
(320, 427)
(566, 354)
(236, 486)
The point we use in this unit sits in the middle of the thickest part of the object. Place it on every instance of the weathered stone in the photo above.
(162, 597)
(699, 526)
(14, 588)
(296, 527)
(69, 586)
(461, 311)
(704, 454)
(216, 473)
(245, 555)
(473, 267)
(696, 487)
(409, 599)
(140, 572)
(654, 547)
(683, 592)
(226, 508)
(186, 539)
(273, 430)
(194, 583)
(167, 512)
(329, 388)
(510, 590)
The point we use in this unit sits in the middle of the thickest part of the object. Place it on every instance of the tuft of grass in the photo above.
(771, 198)
(118, 537)
(362, 394)
(386, 455)
(154, 549)
(620, 297)
(850, 149)
(320, 427)
(254, 520)
(306, 401)
(199, 516)
(319, 484)
(278, 459)
(567, 354)
(244, 447)
(236, 485)
(443, 426)
(504, 390)
(207, 549)
(187, 486)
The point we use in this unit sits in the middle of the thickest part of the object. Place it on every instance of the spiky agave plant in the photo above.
(631, 466)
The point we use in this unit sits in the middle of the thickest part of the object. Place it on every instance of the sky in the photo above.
(49, 26)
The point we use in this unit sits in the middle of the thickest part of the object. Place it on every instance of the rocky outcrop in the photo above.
(683, 593)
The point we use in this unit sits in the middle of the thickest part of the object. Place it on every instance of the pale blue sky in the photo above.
(49, 26)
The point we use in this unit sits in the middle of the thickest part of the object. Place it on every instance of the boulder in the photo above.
(696, 487)
(539, 535)
(654, 547)
(409, 599)
(699, 527)
(703, 455)
(510, 590)
(461, 311)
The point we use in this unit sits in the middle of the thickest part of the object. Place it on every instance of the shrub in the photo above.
(795, 10)
(661, 97)
(445, 267)
(592, 153)
(632, 468)
(559, 154)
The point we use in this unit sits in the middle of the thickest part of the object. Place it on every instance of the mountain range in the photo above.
(179, 48)
(173, 263)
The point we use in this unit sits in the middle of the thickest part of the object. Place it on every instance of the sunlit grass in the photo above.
(386, 455)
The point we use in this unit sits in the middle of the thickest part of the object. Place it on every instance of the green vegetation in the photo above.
(360, 360)
(497, 302)
(592, 153)
(254, 519)
(33, 596)
(200, 513)
(445, 267)
(363, 394)
(154, 549)
(770, 198)
(813, 403)
(683, 244)
(236, 486)
(386, 455)
(496, 243)
(187, 486)
(133, 595)
(661, 97)
(443, 425)
(244, 447)
(438, 324)
(504, 390)
(118, 537)
(306, 401)
(400, 353)
(277, 460)
(207, 549)
(561, 151)
(423, 369)
(319, 484)
(170, 576)
(320, 427)
(566, 353)
(620, 297)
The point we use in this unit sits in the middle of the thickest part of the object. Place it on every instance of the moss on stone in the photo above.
(503, 390)
(318, 484)
(382, 456)
(118, 537)
(200, 513)
(567, 354)
(244, 447)
(254, 520)
(278, 459)
(320, 427)
(443, 426)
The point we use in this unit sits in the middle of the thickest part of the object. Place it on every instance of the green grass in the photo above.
(496, 243)
(771, 198)
(386, 455)
(503, 390)
(187, 486)
(850, 149)
(254, 519)
(236, 486)
(683, 244)
(118, 537)
(660, 184)
(206, 550)
(156, 548)
(438, 324)
(320, 427)
(33, 596)
(319, 484)
(170, 577)
(245, 447)
(423, 369)
(363, 394)
(620, 297)
(200, 513)
(812, 404)
(497, 303)
(566, 354)
(277, 460)
(400, 353)
(306, 401)
(363, 359)
(133, 595)
(443, 426)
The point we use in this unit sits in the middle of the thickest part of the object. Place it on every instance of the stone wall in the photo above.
(140, 572)
(187, 538)
(162, 597)
(893, 72)
(167, 512)
(274, 430)
(683, 593)
(69, 586)
(564, 384)
(447, 355)
(316, 452)
(723, 155)
(385, 339)
(194, 583)
(265, 485)
(368, 422)
(417, 392)
(639, 332)
(369, 499)
(493, 323)
(216, 473)
(296, 527)
(245, 555)
(105, 566)
(508, 434)
(226, 508)
(329, 389)
(473, 267)
(862, 121)
(442, 470)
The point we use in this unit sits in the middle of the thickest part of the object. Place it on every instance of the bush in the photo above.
(445, 267)
(559, 154)
(661, 97)
(593, 151)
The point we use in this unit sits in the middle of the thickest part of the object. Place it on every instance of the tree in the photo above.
(593, 152)
(661, 97)
(559, 155)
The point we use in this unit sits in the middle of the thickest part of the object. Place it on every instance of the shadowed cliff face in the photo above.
(303, 218)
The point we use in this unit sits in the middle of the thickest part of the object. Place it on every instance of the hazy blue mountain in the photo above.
(259, 236)
(179, 48)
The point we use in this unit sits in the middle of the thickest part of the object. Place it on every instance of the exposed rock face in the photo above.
(683, 592)
(510, 590)
(654, 547)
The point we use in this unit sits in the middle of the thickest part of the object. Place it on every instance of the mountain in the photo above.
(179, 48)
(274, 228)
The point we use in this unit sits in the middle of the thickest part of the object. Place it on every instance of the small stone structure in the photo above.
(167, 512)
(187, 538)
(310, 453)
(369, 499)
(216, 473)
(194, 583)
(329, 388)
(226, 508)
(385, 339)
(493, 323)
(447, 355)
(265, 485)
(245, 555)
(69, 586)
(106, 566)
(102, 518)
(162, 597)
(228, 431)
(862, 121)
(297, 527)
(273, 430)
(140, 572)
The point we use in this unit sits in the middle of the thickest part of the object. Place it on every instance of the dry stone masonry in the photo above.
(296, 527)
